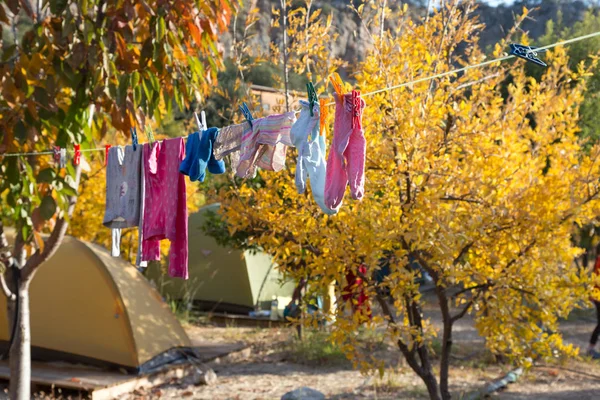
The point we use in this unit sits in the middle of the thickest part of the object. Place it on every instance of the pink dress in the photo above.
(165, 208)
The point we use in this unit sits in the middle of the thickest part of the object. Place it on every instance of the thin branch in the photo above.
(462, 253)
(464, 311)
(454, 198)
(5, 289)
(58, 233)
(468, 289)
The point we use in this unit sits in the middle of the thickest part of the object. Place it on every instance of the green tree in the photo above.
(69, 71)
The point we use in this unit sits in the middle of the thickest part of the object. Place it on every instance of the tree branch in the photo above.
(58, 233)
(463, 251)
(409, 354)
(464, 311)
(454, 198)
(5, 289)
(4, 260)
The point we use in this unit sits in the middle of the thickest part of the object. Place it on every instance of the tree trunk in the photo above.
(445, 361)
(20, 352)
(432, 386)
(285, 56)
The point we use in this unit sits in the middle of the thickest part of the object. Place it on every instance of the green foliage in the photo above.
(317, 349)
(70, 71)
(580, 52)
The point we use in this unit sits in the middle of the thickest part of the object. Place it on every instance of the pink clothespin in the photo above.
(106, 147)
(355, 109)
(56, 154)
(77, 154)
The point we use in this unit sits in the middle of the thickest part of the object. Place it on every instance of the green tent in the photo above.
(223, 279)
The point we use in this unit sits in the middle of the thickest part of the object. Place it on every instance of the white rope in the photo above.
(468, 67)
(387, 89)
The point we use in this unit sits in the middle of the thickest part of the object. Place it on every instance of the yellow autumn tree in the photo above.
(479, 176)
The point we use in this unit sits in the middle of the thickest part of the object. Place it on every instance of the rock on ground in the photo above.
(304, 393)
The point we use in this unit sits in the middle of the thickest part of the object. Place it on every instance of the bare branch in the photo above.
(5, 289)
(454, 198)
(464, 311)
(58, 233)
(463, 252)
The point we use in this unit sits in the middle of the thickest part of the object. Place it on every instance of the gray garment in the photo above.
(124, 194)
(229, 142)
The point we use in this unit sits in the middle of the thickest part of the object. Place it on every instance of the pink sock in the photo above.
(346, 162)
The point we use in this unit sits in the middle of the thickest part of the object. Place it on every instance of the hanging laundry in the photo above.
(266, 145)
(124, 194)
(346, 162)
(165, 209)
(311, 146)
(229, 142)
(355, 292)
(199, 156)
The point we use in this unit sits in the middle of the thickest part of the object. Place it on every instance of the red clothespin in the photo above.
(56, 154)
(106, 147)
(77, 154)
(355, 109)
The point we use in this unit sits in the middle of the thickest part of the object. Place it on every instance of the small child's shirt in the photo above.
(165, 211)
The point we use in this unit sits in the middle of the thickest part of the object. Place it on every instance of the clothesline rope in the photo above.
(387, 89)
(482, 64)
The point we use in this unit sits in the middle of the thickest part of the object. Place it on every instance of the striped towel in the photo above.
(266, 144)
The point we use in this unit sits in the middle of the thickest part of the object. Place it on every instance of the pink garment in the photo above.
(265, 145)
(165, 212)
(346, 162)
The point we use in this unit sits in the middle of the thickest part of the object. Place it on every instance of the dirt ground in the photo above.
(270, 369)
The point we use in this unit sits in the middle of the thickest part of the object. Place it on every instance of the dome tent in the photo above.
(223, 278)
(89, 307)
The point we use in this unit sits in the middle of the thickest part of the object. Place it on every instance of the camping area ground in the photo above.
(276, 363)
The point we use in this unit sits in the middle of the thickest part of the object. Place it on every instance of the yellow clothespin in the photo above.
(338, 84)
(323, 116)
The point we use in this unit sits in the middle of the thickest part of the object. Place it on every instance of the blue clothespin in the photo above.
(527, 53)
(134, 138)
(312, 96)
(247, 114)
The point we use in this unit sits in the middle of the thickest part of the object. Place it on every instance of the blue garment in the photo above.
(312, 163)
(199, 156)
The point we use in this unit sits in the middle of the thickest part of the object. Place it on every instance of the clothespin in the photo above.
(149, 134)
(312, 97)
(201, 125)
(203, 115)
(338, 85)
(63, 158)
(323, 115)
(527, 53)
(355, 109)
(134, 138)
(106, 148)
(244, 109)
(56, 154)
(77, 154)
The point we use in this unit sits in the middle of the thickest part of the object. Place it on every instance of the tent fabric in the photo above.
(86, 305)
(223, 278)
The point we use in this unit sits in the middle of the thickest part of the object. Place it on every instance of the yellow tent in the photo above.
(87, 306)
(223, 278)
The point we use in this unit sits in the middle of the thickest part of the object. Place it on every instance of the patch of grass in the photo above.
(316, 349)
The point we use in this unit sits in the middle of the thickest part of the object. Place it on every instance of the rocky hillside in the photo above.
(352, 46)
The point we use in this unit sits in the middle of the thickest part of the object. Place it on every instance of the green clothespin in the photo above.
(312, 97)
(149, 134)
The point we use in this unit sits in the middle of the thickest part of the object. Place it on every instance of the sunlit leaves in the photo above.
(484, 187)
